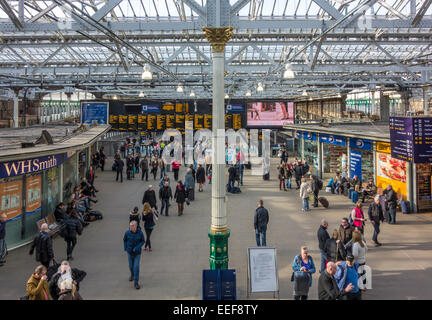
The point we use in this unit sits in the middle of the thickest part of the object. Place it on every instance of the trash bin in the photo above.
(219, 285)
(210, 288)
(228, 284)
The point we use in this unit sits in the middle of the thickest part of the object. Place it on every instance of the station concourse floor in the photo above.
(401, 267)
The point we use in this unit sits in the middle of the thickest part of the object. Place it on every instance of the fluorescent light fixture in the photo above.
(260, 87)
(179, 88)
(304, 93)
(192, 94)
(289, 73)
(248, 93)
(146, 75)
(115, 97)
(141, 94)
(227, 96)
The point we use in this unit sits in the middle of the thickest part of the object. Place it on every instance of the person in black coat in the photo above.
(376, 216)
(137, 162)
(130, 164)
(391, 199)
(73, 227)
(43, 244)
(298, 171)
(165, 194)
(63, 271)
(334, 248)
(150, 197)
(323, 236)
(60, 213)
(102, 158)
(180, 196)
(200, 177)
(315, 186)
(327, 285)
(119, 164)
(148, 216)
(261, 219)
(231, 177)
(144, 168)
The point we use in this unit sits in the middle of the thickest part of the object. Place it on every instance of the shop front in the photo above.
(424, 186)
(361, 159)
(334, 155)
(310, 154)
(390, 170)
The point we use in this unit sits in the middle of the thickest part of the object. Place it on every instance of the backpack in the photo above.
(63, 230)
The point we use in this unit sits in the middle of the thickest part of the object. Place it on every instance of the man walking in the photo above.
(298, 171)
(327, 286)
(231, 177)
(346, 275)
(119, 164)
(391, 199)
(261, 219)
(323, 236)
(150, 197)
(165, 194)
(133, 241)
(376, 216)
(43, 244)
(3, 248)
(144, 168)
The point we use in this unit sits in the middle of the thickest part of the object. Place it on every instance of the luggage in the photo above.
(405, 206)
(354, 196)
(328, 189)
(324, 202)
(236, 190)
(266, 176)
(191, 194)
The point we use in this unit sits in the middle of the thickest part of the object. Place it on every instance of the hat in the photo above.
(150, 186)
(350, 257)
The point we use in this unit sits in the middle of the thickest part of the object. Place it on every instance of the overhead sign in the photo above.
(311, 136)
(235, 107)
(262, 269)
(298, 134)
(149, 108)
(383, 147)
(356, 163)
(362, 144)
(21, 167)
(401, 138)
(422, 140)
(94, 111)
(332, 139)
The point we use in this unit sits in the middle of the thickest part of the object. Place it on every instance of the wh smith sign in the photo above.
(21, 167)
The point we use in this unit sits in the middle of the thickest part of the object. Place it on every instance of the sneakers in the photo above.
(150, 249)
(137, 286)
(145, 249)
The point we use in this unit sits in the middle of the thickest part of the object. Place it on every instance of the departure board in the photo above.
(160, 122)
(228, 121)
(168, 107)
(132, 122)
(151, 122)
(123, 123)
(113, 121)
(237, 121)
(199, 122)
(142, 122)
(170, 121)
(208, 121)
(180, 121)
(179, 108)
(189, 118)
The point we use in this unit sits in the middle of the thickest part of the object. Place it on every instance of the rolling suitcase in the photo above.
(324, 202)
(405, 206)
(354, 196)
(266, 176)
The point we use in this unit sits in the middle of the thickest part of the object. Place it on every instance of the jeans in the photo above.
(144, 173)
(288, 183)
(134, 264)
(176, 173)
(335, 187)
(71, 242)
(148, 233)
(392, 215)
(300, 297)
(162, 172)
(241, 173)
(263, 236)
(298, 182)
(376, 227)
(3, 249)
(323, 260)
(165, 204)
(352, 296)
(121, 176)
(306, 204)
(231, 184)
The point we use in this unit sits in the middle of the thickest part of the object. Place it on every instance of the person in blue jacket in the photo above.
(347, 273)
(303, 267)
(133, 241)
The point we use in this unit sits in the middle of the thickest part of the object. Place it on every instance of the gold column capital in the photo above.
(218, 37)
(216, 230)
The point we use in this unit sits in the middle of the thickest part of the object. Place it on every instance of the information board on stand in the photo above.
(262, 270)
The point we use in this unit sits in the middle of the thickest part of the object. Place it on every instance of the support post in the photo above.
(425, 101)
(15, 110)
(218, 231)
(68, 107)
(320, 158)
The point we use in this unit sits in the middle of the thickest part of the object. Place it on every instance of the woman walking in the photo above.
(357, 216)
(282, 177)
(190, 185)
(359, 249)
(73, 227)
(200, 176)
(305, 191)
(303, 267)
(180, 197)
(149, 217)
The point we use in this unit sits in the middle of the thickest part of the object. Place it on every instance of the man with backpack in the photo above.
(316, 185)
(347, 274)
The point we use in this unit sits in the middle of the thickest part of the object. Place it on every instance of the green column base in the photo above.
(218, 250)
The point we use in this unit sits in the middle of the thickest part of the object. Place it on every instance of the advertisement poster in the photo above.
(391, 171)
(94, 111)
(362, 144)
(10, 193)
(356, 164)
(270, 114)
(34, 193)
(53, 186)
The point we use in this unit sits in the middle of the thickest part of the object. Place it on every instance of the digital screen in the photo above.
(270, 114)
(168, 107)
(170, 120)
(208, 121)
(114, 122)
(228, 121)
(199, 122)
(132, 122)
(236, 121)
(142, 122)
(123, 123)
(160, 122)
(151, 122)
(180, 122)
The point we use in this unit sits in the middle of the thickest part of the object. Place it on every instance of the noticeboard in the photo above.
(10, 197)
(160, 122)
(151, 122)
(199, 122)
(180, 122)
(94, 111)
(142, 122)
(262, 270)
(113, 121)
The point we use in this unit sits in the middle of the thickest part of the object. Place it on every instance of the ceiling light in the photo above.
(289, 73)
(192, 94)
(227, 96)
(248, 93)
(304, 93)
(260, 87)
(310, 98)
(146, 75)
(115, 97)
(179, 88)
(141, 94)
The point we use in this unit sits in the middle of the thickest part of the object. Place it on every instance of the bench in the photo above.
(52, 224)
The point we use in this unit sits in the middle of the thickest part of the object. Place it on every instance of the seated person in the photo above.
(356, 183)
(60, 212)
(370, 190)
(337, 181)
(344, 185)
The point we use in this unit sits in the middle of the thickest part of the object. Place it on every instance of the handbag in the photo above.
(155, 216)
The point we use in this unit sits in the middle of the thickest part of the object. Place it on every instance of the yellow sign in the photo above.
(199, 121)
(236, 121)
(208, 121)
(168, 107)
(170, 119)
(151, 122)
(160, 123)
(391, 171)
(383, 147)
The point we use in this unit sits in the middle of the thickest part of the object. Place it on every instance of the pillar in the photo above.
(411, 187)
(68, 107)
(384, 107)
(218, 231)
(320, 158)
(15, 111)
(425, 101)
